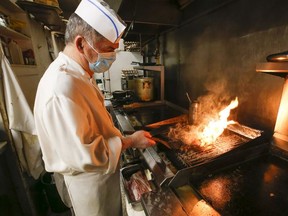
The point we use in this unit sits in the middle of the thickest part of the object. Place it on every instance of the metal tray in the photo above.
(126, 173)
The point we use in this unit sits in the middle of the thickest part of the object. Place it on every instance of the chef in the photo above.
(76, 133)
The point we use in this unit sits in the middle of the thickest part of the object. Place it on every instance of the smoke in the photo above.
(217, 97)
(213, 101)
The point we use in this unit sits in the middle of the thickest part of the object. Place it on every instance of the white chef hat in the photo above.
(102, 18)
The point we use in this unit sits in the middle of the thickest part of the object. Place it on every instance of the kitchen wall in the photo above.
(29, 75)
(214, 57)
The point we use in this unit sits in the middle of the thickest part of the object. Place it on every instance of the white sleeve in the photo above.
(79, 146)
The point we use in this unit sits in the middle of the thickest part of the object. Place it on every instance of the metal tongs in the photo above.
(164, 126)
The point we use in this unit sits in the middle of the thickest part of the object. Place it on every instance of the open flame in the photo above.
(216, 126)
(204, 134)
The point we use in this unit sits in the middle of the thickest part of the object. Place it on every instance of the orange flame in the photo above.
(216, 126)
(204, 134)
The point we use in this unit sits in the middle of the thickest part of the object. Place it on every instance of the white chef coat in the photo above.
(78, 138)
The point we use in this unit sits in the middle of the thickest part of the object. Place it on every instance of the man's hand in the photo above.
(140, 139)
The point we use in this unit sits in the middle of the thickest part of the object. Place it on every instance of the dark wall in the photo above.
(214, 57)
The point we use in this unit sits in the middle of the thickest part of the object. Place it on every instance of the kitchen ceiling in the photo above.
(146, 19)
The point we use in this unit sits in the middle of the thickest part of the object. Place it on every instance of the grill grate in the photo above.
(188, 156)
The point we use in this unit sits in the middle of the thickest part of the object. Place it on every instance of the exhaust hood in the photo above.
(273, 68)
(278, 57)
(277, 64)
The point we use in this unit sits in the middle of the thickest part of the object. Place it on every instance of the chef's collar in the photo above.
(72, 67)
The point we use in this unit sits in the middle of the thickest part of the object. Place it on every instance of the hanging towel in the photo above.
(21, 122)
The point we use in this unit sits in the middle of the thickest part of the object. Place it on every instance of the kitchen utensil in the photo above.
(159, 130)
(193, 113)
(161, 141)
(174, 120)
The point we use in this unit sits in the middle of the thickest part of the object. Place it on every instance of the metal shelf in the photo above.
(151, 68)
(273, 68)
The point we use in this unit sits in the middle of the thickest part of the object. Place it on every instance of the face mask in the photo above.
(103, 62)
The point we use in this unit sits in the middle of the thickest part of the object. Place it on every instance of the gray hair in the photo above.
(77, 26)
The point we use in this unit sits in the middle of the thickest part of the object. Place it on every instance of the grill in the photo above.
(241, 173)
(180, 159)
(237, 175)
(184, 156)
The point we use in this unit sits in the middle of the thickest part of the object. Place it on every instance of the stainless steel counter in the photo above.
(161, 201)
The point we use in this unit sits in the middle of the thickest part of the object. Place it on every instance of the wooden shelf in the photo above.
(11, 6)
(46, 14)
(10, 33)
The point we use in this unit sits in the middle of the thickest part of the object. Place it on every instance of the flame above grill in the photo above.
(202, 135)
(216, 126)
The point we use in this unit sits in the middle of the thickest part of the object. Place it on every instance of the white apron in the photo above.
(78, 138)
(91, 194)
